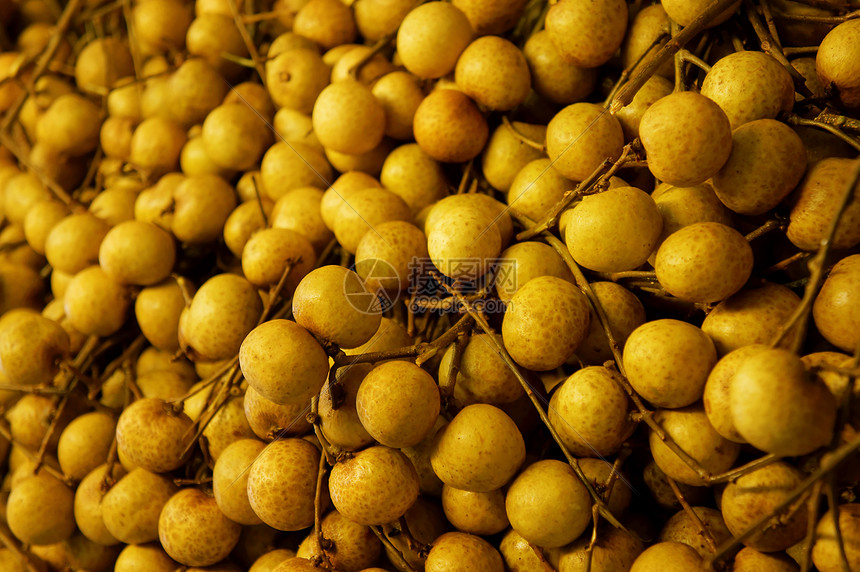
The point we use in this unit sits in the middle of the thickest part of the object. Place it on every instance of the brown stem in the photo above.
(616, 276)
(403, 564)
(324, 543)
(625, 96)
(249, 42)
(738, 472)
(686, 56)
(12, 545)
(704, 531)
(602, 173)
(521, 137)
(811, 526)
(377, 47)
(833, 507)
(818, 19)
(800, 50)
(770, 46)
(771, 25)
(625, 74)
(765, 228)
(447, 389)
(800, 317)
(793, 119)
(840, 121)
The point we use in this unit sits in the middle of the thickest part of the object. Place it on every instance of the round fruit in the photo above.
(493, 72)
(431, 37)
(836, 308)
(582, 136)
(449, 126)
(459, 549)
(282, 483)
(152, 434)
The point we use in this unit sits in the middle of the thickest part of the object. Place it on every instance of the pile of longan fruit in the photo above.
(403, 285)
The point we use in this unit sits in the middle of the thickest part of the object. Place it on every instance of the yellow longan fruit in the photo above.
(837, 49)
(235, 137)
(552, 77)
(449, 126)
(493, 71)
(580, 137)
(327, 22)
(295, 78)
(587, 34)
(431, 37)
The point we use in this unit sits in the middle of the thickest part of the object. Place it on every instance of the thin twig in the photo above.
(704, 531)
(796, 120)
(249, 42)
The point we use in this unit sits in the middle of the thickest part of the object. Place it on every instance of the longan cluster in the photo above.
(401, 285)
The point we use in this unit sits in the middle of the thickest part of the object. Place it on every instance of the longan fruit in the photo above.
(685, 11)
(223, 311)
(797, 417)
(667, 362)
(348, 118)
(22, 191)
(294, 373)
(151, 434)
(210, 36)
(21, 285)
(683, 206)
(400, 94)
(234, 136)
(589, 411)
(668, 556)
(476, 513)
(398, 403)
(101, 63)
(455, 549)
(70, 125)
(137, 253)
(166, 385)
(157, 309)
(752, 496)
(431, 37)
(413, 175)
(385, 257)
(463, 243)
(837, 49)
(580, 137)
(201, 205)
(156, 145)
(598, 471)
(553, 78)
(491, 17)
(545, 322)
(826, 554)
(144, 557)
(376, 19)
(195, 160)
(270, 421)
(363, 210)
(506, 153)
(369, 162)
(687, 138)
(115, 137)
(479, 450)
(333, 303)
(547, 504)
(342, 426)
(536, 188)
(523, 261)
(816, 201)
(497, 211)
(295, 78)
(95, 303)
(291, 166)
(196, 88)
(835, 310)
(88, 504)
(735, 77)
(371, 70)
(267, 252)
(615, 230)
(193, 530)
(254, 96)
(717, 396)
(357, 545)
(493, 71)
(586, 34)
(623, 311)
(227, 425)
(682, 528)
(376, 486)
(645, 29)
(449, 126)
(84, 443)
(300, 211)
(40, 510)
(630, 116)
(767, 162)
(614, 549)
(161, 25)
(752, 316)
(327, 22)
(704, 262)
(73, 242)
(31, 347)
(691, 431)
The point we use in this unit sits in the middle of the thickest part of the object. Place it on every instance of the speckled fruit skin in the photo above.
(615, 549)
(837, 307)
(131, 507)
(463, 233)
(462, 551)
(668, 557)
(777, 408)
(690, 429)
(717, 395)
(687, 138)
(667, 362)
(816, 201)
(152, 435)
(589, 411)
(230, 480)
(615, 230)
(449, 126)
(282, 483)
(493, 72)
(40, 510)
(682, 528)
(280, 375)
(836, 62)
(479, 450)
(749, 85)
(752, 316)
(548, 504)
(545, 322)
(580, 137)
(587, 33)
(704, 262)
(376, 486)
(825, 551)
(755, 495)
(768, 160)
(194, 531)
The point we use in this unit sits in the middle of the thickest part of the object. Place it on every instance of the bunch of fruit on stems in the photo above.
(403, 285)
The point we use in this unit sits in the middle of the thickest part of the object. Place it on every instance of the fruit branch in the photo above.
(833, 507)
(704, 531)
(249, 42)
(625, 96)
(771, 46)
(794, 119)
(811, 522)
(800, 317)
(523, 138)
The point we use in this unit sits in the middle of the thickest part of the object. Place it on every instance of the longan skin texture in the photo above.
(687, 138)
(586, 33)
(281, 484)
(449, 126)
(454, 550)
(545, 322)
(151, 433)
(194, 531)
(580, 137)
(431, 37)
(493, 71)
(835, 63)
(835, 309)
